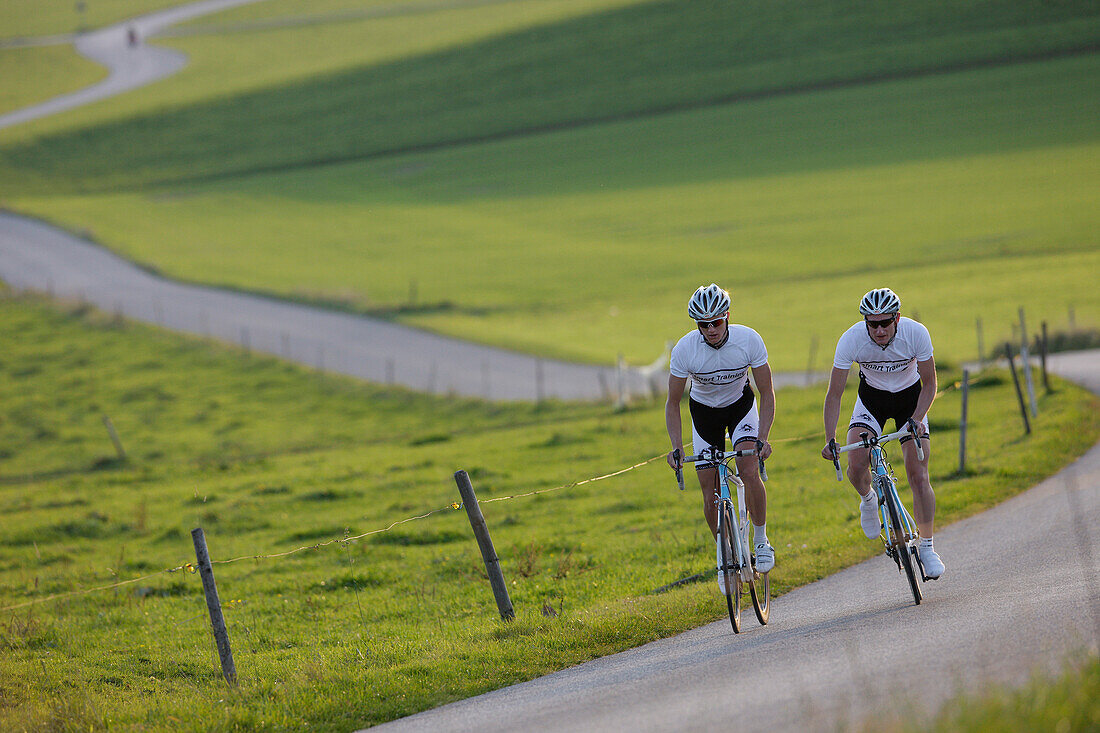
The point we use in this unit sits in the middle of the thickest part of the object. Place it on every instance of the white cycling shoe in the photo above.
(765, 557)
(933, 565)
(869, 517)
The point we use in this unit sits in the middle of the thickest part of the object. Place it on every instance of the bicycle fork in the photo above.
(894, 544)
(742, 556)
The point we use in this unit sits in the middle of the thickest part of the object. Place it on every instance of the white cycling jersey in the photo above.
(718, 376)
(890, 369)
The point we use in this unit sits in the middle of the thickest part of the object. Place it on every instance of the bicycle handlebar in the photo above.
(713, 454)
(868, 441)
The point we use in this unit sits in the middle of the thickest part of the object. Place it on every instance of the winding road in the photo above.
(1020, 592)
(37, 256)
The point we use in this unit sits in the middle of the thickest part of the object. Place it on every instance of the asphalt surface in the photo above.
(1019, 595)
(39, 257)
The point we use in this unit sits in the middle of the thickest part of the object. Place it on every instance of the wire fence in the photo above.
(190, 567)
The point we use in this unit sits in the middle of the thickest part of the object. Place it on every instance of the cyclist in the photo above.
(717, 357)
(897, 379)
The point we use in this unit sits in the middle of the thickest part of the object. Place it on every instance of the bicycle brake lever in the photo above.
(763, 471)
(836, 459)
(679, 471)
(915, 432)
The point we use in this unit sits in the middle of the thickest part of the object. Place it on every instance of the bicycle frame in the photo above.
(882, 481)
(741, 552)
(739, 570)
(899, 531)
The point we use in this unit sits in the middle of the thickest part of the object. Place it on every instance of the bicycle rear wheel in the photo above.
(727, 567)
(901, 547)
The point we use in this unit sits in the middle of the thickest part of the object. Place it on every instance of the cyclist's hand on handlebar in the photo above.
(828, 452)
(675, 458)
(914, 428)
(764, 449)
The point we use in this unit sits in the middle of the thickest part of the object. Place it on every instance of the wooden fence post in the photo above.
(810, 361)
(619, 377)
(214, 606)
(485, 542)
(962, 422)
(1025, 356)
(539, 389)
(114, 437)
(1019, 392)
(1043, 358)
(981, 344)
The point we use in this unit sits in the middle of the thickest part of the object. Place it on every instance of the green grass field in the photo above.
(550, 175)
(33, 75)
(268, 458)
(972, 193)
(987, 206)
(25, 18)
(1068, 701)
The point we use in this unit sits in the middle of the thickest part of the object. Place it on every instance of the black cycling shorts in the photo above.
(712, 424)
(876, 406)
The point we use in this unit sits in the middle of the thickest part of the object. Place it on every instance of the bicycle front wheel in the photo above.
(901, 546)
(727, 540)
(760, 588)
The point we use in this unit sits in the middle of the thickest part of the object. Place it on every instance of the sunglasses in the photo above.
(710, 324)
(884, 323)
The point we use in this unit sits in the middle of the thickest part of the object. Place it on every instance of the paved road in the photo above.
(1021, 591)
(129, 67)
(40, 257)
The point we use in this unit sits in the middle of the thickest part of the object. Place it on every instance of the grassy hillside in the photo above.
(609, 65)
(970, 193)
(23, 18)
(269, 458)
(33, 75)
(339, 38)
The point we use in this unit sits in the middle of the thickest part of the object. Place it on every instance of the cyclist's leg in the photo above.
(863, 421)
(707, 474)
(916, 470)
(744, 435)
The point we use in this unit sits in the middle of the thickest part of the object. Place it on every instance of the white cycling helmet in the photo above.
(880, 301)
(709, 302)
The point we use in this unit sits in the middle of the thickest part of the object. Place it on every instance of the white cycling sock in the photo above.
(926, 542)
(760, 533)
(871, 498)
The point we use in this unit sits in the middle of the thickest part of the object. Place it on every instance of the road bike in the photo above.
(899, 531)
(735, 560)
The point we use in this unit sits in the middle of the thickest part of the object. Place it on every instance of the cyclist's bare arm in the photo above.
(762, 375)
(837, 379)
(927, 371)
(672, 419)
